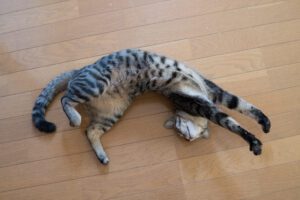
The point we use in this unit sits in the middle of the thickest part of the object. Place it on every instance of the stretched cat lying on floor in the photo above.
(108, 86)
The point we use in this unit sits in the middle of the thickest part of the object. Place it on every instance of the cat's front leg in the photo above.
(94, 133)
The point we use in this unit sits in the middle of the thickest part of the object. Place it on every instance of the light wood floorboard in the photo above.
(249, 47)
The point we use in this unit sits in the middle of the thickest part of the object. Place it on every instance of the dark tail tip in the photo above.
(45, 126)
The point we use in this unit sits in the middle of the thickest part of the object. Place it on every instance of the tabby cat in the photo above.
(107, 87)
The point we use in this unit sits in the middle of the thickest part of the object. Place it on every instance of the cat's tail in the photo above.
(47, 95)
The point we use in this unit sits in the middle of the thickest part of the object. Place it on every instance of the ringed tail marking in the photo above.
(55, 86)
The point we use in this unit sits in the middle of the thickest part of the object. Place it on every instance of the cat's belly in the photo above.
(109, 103)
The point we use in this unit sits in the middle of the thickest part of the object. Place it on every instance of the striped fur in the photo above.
(108, 86)
(57, 85)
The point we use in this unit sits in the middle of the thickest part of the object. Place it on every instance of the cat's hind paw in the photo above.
(256, 147)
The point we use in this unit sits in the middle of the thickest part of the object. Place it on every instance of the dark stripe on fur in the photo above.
(135, 57)
(160, 73)
(151, 59)
(163, 59)
(145, 56)
(58, 84)
(127, 62)
(233, 102)
(175, 63)
(219, 117)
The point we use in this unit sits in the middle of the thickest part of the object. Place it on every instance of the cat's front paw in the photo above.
(74, 118)
(170, 123)
(75, 122)
(255, 146)
(103, 159)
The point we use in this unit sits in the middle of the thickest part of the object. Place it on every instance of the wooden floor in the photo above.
(249, 47)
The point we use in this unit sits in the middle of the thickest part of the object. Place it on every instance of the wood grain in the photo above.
(209, 166)
(121, 19)
(229, 84)
(293, 193)
(38, 16)
(257, 56)
(249, 47)
(153, 150)
(251, 183)
(16, 153)
(128, 182)
(8, 6)
(167, 31)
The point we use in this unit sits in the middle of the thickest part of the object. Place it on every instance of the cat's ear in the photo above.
(170, 123)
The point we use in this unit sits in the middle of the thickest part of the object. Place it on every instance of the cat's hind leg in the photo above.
(231, 101)
(201, 106)
(79, 91)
